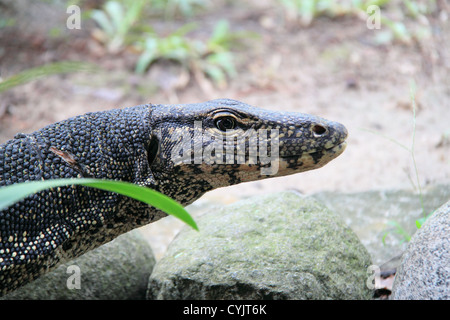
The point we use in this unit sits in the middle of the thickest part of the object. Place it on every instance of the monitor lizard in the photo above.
(141, 145)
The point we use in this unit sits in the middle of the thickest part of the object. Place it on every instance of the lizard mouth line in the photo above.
(339, 146)
(338, 149)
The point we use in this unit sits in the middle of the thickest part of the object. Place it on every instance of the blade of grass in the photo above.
(410, 150)
(103, 21)
(387, 138)
(400, 230)
(116, 12)
(45, 70)
(413, 102)
(16, 192)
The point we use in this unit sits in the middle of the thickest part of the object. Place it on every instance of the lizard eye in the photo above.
(225, 123)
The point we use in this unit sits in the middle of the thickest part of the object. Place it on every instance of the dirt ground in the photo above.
(334, 68)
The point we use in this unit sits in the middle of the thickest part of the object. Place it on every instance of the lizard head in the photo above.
(199, 147)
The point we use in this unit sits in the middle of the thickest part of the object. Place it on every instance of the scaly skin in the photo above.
(140, 145)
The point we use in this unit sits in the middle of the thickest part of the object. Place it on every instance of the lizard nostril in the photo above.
(318, 130)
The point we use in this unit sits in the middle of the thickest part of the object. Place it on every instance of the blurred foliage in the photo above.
(175, 46)
(43, 71)
(397, 27)
(212, 57)
(124, 23)
(120, 26)
(128, 24)
(174, 8)
(7, 22)
(305, 11)
(116, 22)
(169, 9)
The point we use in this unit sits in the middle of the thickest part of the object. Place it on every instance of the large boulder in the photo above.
(279, 246)
(424, 272)
(117, 270)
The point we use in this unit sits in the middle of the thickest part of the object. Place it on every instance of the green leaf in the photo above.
(413, 8)
(225, 61)
(145, 59)
(419, 223)
(220, 32)
(16, 192)
(184, 29)
(132, 15)
(115, 12)
(148, 55)
(214, 72)
(103, 21)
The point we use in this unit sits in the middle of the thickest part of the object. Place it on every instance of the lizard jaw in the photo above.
(309, 161)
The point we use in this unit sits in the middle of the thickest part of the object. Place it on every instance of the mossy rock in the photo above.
(117, 270)
(279, 246)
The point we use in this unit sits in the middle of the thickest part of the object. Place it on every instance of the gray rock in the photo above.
(279, 246)
(116, 270)
(368, 214)
(424, 273)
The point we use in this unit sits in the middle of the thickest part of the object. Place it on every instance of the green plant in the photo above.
(212, 57)
(421, 221)
(16, 192)
(172, 47)
(399, 29)
(42, 71)
(219, 59)
(7, 22)
(401, 231)
(305, 11)
(186, 8)
(116, 22)
(397, 228)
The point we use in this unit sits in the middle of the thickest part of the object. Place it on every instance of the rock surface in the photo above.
(278, 246)
(368, 214)
(117, 270)
(424, 273)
